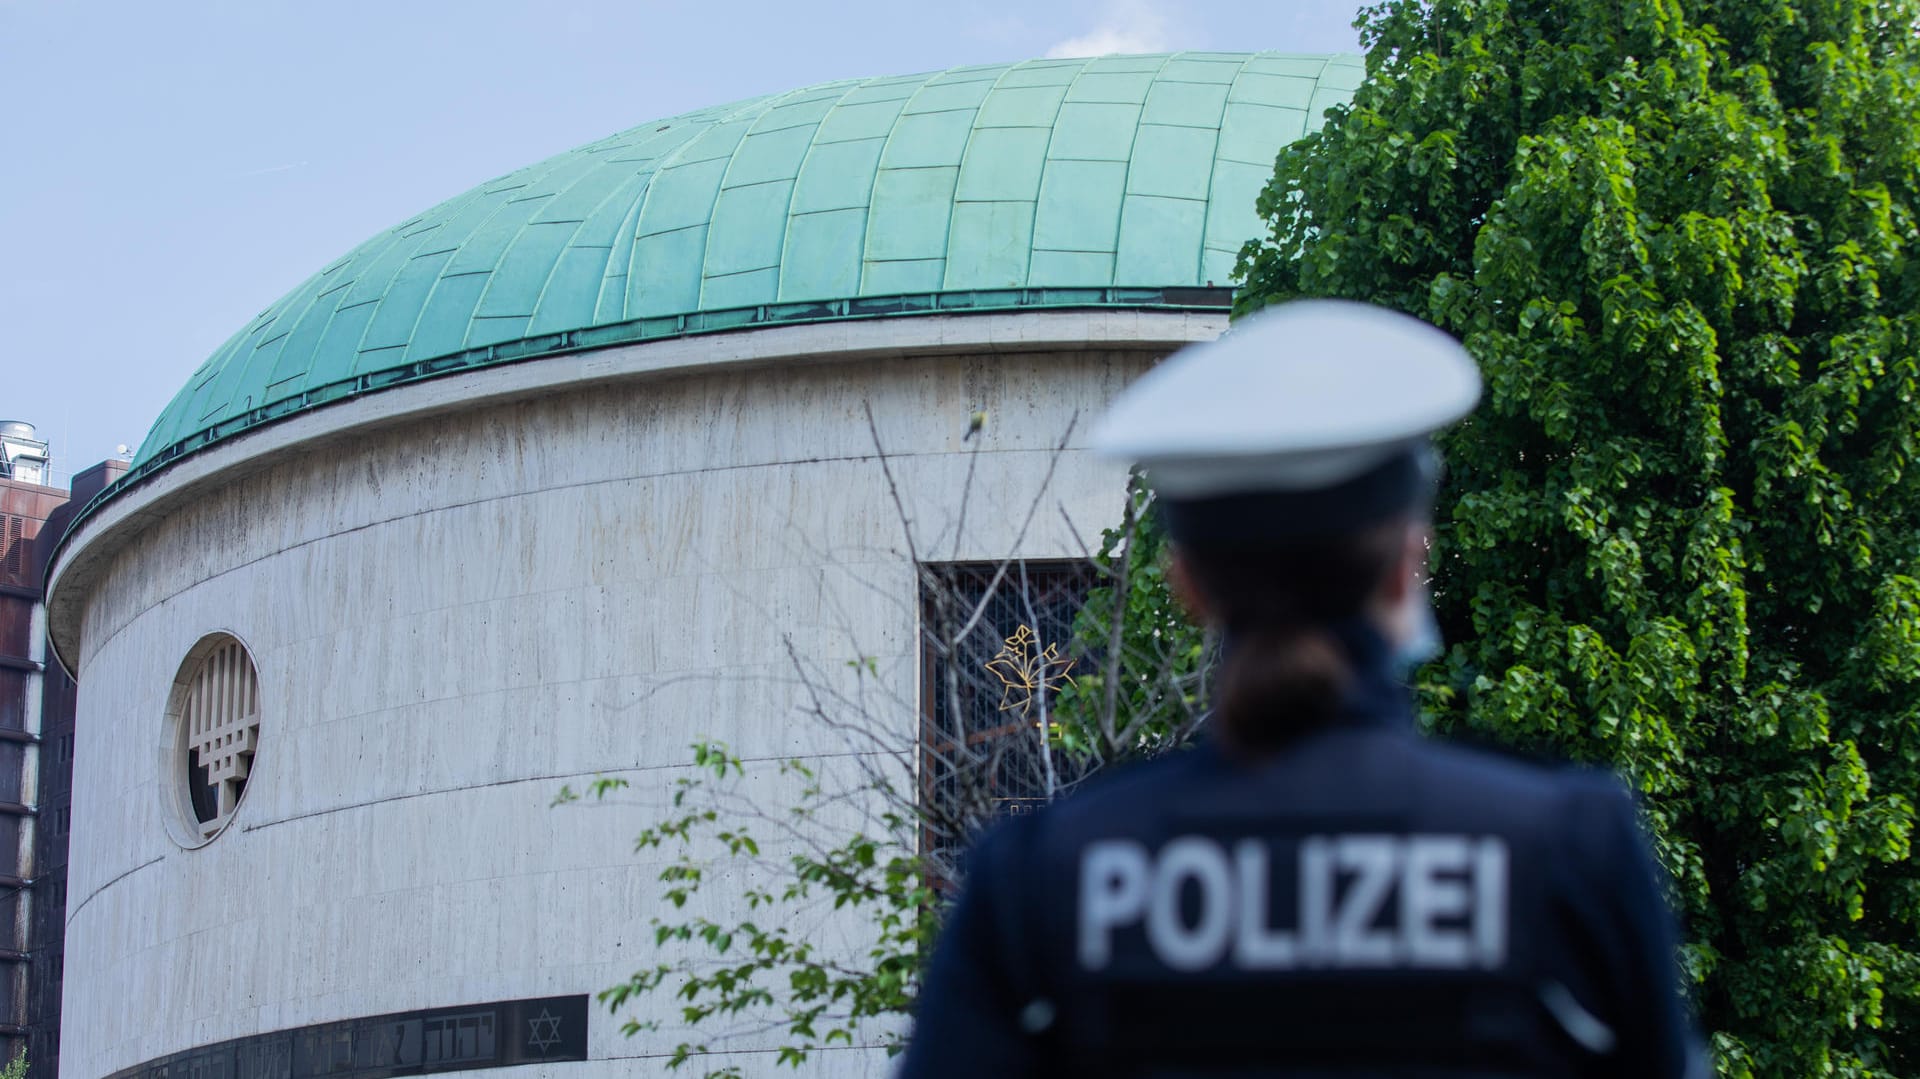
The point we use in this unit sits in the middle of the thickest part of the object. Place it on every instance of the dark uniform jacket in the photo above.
(1368, 902)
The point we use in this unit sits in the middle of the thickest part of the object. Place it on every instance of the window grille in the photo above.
(218, 713)
(996, 650)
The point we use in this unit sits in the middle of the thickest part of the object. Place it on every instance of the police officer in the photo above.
(1313, 890)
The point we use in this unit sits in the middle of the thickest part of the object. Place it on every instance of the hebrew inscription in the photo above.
(497, 1035)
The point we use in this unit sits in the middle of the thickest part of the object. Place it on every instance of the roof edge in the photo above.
(688, 324)
(928, 323)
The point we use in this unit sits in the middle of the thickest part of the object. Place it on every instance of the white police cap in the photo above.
(1300, 395)
(1327, 402)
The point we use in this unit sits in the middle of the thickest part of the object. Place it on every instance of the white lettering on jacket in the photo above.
(1362, 901)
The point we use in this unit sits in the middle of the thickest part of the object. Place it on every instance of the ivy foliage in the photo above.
(1143, 687)
(1682, 533)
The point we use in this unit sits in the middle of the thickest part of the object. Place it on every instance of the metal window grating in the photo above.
(985, 697)
(220, 720)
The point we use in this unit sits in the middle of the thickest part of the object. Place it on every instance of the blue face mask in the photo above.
(1419, 639)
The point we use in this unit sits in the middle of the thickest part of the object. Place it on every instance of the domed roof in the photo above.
(1045, 183)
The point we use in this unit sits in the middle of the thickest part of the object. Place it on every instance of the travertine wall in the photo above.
(453, 616)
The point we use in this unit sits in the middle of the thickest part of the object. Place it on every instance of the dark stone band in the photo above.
(463, 1038)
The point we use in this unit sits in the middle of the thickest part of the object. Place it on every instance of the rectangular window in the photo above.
(13, 699)
(996, 647)
(14, 566)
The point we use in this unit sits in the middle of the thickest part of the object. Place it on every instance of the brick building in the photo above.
(36, 750)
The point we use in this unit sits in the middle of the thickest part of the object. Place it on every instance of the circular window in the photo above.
(213, 716)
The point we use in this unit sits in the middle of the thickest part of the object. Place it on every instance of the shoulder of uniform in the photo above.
(1590, 812)
(1467, 743)
(1113, 797)
(1498, 763)
(1497, 758)
(1553, 794)
(1122, 783)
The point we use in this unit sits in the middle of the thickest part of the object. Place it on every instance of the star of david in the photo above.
(544, 1031)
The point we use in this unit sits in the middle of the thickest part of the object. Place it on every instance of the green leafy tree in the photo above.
(1682, 533)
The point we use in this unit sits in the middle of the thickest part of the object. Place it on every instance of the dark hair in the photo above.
(1283, 671)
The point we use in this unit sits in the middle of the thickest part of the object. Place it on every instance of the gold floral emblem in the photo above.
(1024, 671)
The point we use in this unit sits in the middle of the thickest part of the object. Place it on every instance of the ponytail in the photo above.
(1277, 681)
(1284, 673)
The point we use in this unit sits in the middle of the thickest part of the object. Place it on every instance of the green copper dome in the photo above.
(1049, 182)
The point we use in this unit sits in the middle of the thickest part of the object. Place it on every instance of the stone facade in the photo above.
(462, 594)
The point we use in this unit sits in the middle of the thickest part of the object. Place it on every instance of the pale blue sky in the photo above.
(172, 168)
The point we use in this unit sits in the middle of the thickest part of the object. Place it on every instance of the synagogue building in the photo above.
(561, 475)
